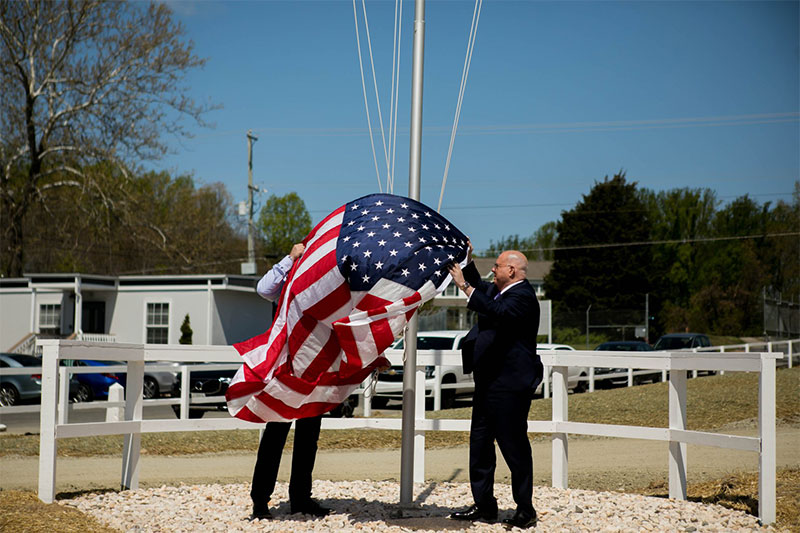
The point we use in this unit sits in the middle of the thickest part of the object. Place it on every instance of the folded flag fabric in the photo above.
(367, 267)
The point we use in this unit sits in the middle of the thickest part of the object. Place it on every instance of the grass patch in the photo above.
(24, 512)
(740, 492)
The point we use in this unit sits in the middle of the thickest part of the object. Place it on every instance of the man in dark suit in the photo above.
(501, 351)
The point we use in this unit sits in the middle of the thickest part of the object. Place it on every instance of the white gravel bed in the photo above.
(365, 506)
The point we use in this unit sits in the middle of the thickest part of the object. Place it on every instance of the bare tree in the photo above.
(86, 85)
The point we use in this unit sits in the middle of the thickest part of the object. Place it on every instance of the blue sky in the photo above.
(559, 95)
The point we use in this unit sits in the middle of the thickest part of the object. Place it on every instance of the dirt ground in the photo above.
(594, 464)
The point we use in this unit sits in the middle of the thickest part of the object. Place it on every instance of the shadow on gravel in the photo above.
(68, 495)
(428, 517)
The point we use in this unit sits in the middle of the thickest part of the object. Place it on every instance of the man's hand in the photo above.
(469, 251)
(297, 251)
(456, 273)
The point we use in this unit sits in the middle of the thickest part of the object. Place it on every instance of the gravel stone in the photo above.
(373, 506)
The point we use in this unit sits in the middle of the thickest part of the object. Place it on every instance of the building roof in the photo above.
(99, 282)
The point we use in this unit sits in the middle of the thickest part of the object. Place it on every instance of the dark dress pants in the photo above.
(270, 449)
(502, 417)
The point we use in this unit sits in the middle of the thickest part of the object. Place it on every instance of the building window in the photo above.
(451, 290)
(157, 323)
(50, 319)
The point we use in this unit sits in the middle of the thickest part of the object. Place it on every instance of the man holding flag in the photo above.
(364, 271)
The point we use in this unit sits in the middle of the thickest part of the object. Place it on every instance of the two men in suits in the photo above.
(501, 352)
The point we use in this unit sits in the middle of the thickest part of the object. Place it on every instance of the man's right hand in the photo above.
(297, 251)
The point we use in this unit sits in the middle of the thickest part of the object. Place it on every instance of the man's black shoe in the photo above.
(260, 513)
(521, 519)
(475, 513)
(310, 507)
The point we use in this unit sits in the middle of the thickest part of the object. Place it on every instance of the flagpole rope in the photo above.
(398, 17)
(366, 103)
(476, 14)
(375, 84)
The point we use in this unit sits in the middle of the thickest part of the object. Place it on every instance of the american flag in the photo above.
(366, 268)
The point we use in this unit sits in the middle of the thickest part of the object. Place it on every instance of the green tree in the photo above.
(727, 290)
(85, 84)
(588, 269)
(683, 215)
(180, 228)
(544, 241)
(186, 331)
(782, 265)
(537, 247)
(284, 221)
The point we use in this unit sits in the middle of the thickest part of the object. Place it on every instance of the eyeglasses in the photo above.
(496, 266)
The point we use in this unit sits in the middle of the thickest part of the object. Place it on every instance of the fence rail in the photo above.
(677, 364)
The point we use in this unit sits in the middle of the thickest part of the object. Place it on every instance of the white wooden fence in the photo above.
(677, 364)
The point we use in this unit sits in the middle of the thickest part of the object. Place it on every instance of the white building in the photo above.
(223, 309)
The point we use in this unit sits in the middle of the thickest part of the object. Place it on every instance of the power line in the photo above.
(570, 204)
(666, 241)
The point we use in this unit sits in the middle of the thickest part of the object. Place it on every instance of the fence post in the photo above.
(63, 394)
(185, 393)
(560, 414)
(419, 432)
(630, 377)
(591, 379)
(437, 388)
(47, 423)
(116, 393)
(789, 355)
(133, 411)
(766, 428)
(367, 394)
(548, 372)
(677, 420)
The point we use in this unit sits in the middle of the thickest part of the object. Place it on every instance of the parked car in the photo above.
(387, 386)
(94, 386)
(624, 346)
(574, 373)
(24, 387)
(19, 388)
(205, 383)
(160, 382)
(681, 341)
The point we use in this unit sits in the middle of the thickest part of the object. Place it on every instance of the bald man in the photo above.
(501, 352)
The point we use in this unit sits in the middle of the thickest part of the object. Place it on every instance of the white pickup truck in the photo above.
(390, 382)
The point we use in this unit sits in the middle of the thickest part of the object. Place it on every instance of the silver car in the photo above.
(17, 388)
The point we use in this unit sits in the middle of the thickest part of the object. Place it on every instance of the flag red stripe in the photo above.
(331, 303)
(382, 334)
(304, 411)
(251, 344)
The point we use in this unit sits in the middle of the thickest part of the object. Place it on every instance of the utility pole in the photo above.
(250, 266)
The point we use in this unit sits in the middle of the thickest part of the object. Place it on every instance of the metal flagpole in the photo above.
(410, 364)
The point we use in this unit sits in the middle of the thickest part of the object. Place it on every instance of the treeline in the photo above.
(704, 266)
(148, 223)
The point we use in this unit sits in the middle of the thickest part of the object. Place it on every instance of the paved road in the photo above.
(29, 422)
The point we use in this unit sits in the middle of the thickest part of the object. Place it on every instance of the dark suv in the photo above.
(682, 341)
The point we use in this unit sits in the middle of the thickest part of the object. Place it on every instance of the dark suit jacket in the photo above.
(501, 348)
